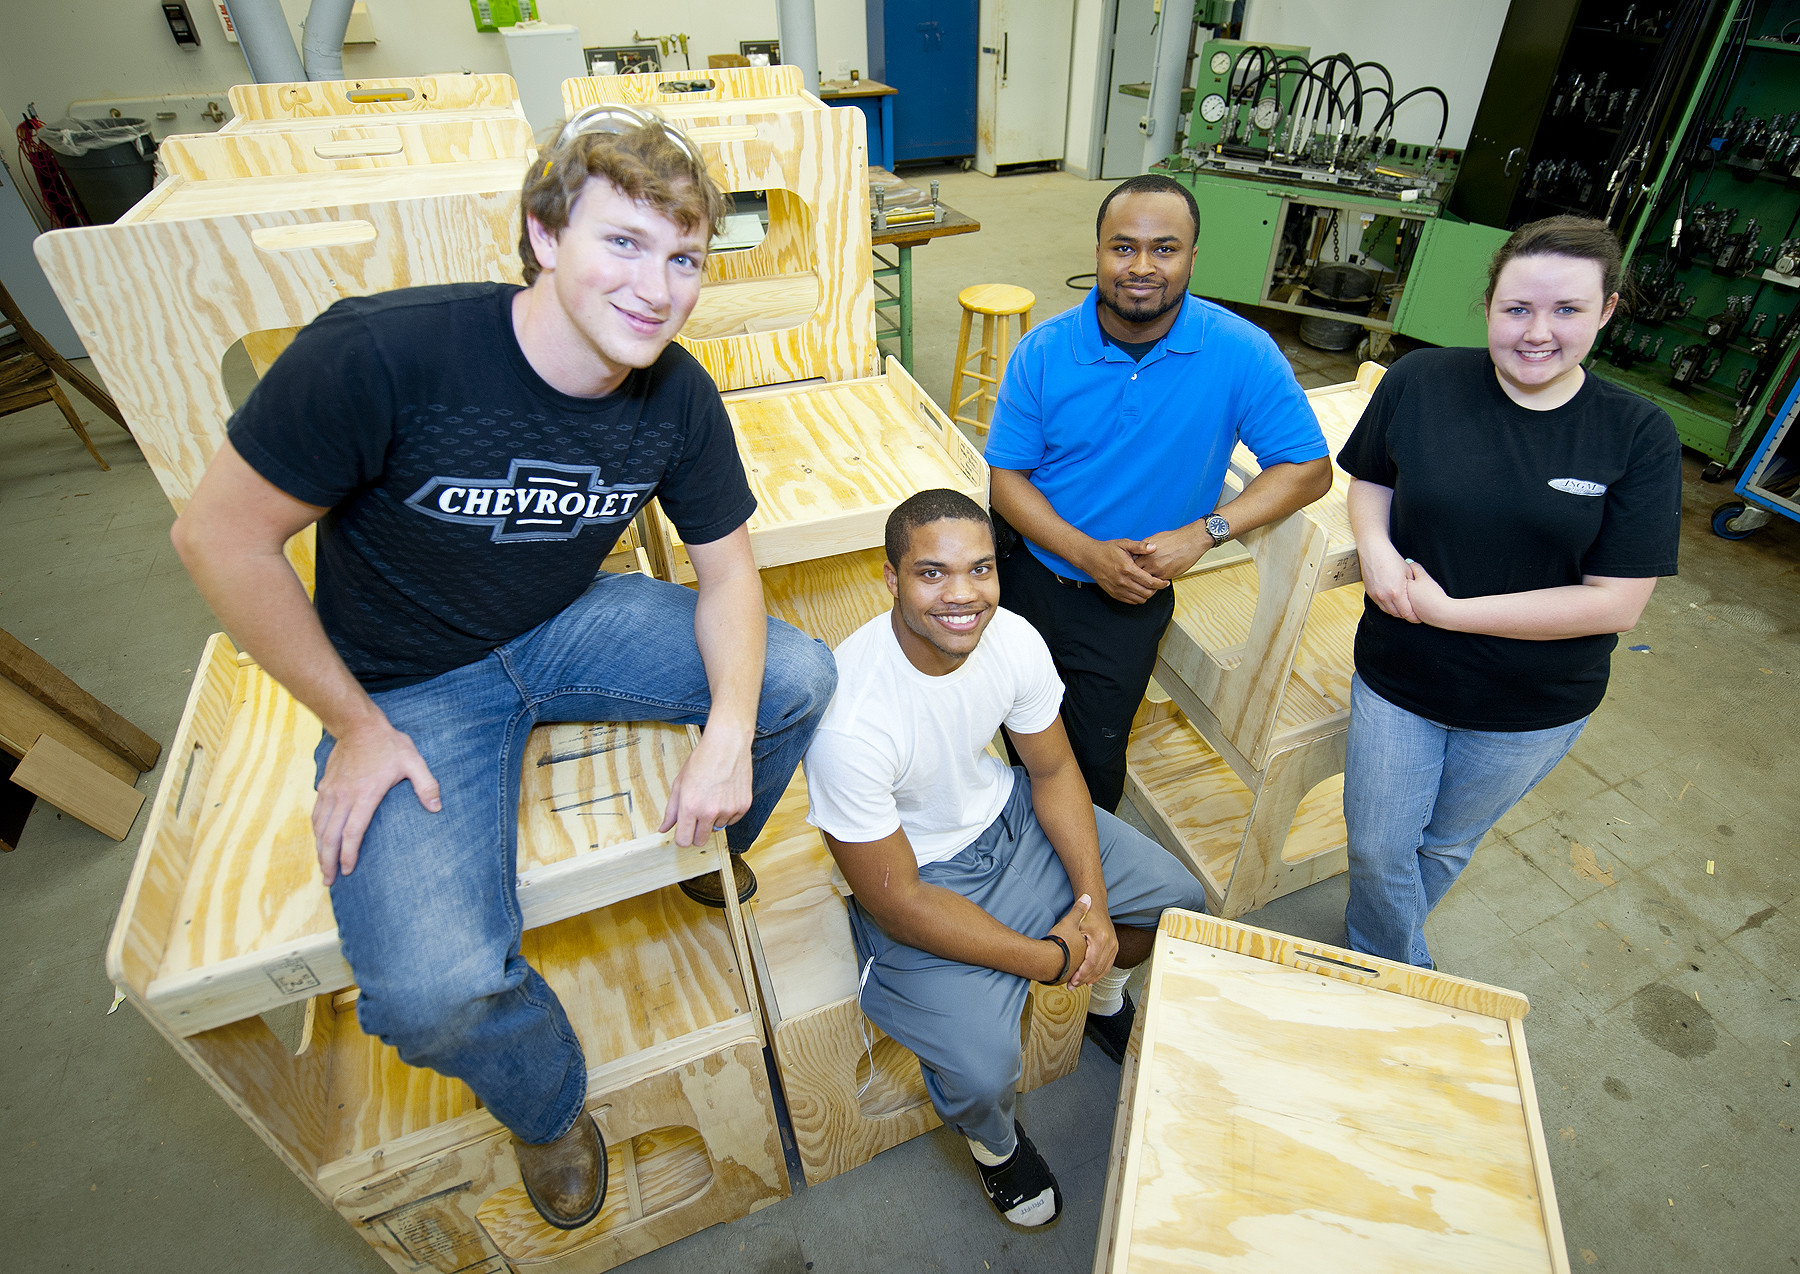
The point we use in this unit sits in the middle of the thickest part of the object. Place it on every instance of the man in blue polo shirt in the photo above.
(1108, 451)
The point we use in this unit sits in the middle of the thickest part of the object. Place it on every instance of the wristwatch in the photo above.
(1218, 528)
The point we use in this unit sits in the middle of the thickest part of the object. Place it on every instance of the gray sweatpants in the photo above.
(962, 1020)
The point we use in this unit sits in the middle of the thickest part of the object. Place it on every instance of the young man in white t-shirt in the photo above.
(970, 877)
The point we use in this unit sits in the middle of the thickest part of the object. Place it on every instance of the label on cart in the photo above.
(435, 1232)
(291, 975)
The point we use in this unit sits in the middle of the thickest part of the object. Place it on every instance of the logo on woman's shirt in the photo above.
(1578, 486)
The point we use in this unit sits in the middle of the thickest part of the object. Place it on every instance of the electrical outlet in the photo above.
(843, 68)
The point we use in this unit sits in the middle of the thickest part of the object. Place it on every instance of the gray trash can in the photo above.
(110, 162)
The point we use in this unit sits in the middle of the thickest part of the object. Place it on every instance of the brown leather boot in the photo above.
(566, 1178)
(705, 889)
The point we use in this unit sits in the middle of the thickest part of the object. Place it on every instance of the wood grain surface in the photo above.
(78, 787)
(345, 146)
(1278, 1111)
(757, 130)
(190, 288)
(306, 99)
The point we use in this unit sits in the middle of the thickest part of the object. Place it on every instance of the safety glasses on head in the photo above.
(616, 118)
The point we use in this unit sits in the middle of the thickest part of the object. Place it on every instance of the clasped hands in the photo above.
(1135, 570)
(1092, 943)
(1404, 589)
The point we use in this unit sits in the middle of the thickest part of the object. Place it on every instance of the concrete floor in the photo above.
(1664, 1018)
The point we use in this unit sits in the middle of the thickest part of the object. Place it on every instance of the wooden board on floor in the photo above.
(45, 682)
(24, 719)
(79, 788)
(1291, 1098)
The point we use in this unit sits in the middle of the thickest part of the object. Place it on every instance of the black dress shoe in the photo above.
(705, 889)
(566, 1178)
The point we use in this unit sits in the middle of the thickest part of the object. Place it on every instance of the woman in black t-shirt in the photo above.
(1512, 514)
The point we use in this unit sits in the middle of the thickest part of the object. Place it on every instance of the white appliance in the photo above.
(1022, 82)
(542, 56)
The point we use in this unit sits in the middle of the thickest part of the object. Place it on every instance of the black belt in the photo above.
(1072, 583)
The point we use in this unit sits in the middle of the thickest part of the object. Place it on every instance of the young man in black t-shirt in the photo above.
(471, 454)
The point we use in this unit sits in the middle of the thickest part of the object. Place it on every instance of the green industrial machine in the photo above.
(1225, 78)
(1677, 123)
(1294, 167)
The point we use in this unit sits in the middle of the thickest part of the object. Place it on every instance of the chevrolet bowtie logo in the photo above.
(537, 500)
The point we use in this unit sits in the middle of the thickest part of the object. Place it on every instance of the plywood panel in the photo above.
(190, 289)
(180, 198)
(1338, 408)
(394, 95)
(446, 1207)
(1285, 1106)
(729, 83)
(814, 162)
(829, 597)
(828, 463)
(252, 927)
(808, 955)
(345, 147)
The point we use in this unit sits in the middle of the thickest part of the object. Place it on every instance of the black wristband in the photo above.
(1064, 971)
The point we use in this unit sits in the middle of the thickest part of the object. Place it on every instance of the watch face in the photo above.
(1267, 112)
(1212, 108)
(1221, 63)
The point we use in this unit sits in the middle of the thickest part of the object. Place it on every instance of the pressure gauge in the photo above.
(1267, 112)
(1212, 108)
(1221, 63)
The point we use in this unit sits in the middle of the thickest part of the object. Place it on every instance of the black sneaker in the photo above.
(1022, 1187)
(1113, 1033)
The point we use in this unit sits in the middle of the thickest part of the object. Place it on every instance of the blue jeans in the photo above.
(1418, 798)
(429, 920)
(962, 1020)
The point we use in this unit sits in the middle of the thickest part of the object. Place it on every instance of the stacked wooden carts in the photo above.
(321, 191)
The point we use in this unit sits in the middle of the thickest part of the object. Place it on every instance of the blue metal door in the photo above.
(930, 58)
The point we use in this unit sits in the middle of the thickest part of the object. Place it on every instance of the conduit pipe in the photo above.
(326, 22)
(267, 43)
(798, 27)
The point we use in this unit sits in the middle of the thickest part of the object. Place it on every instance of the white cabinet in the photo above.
(1022, 82)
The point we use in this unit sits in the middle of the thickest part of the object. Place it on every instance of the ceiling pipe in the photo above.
(798, 26)
(267, 43)
(326, 22)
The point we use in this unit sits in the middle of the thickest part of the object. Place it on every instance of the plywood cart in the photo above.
(226, 918)
(801, 304)
(1245, 784)
(1284, 1102)
(254, 105)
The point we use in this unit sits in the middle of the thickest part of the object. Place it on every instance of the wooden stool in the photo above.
(995, 302)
